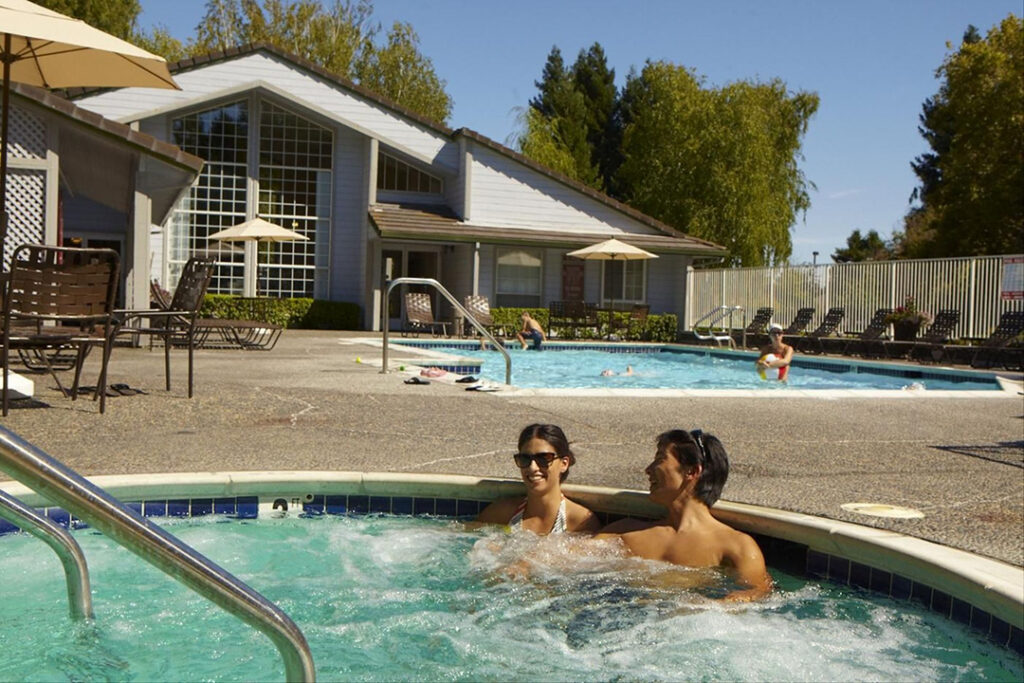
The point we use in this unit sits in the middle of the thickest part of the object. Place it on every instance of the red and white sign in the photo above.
(1013, 278)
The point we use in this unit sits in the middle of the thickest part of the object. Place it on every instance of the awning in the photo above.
(440, 224)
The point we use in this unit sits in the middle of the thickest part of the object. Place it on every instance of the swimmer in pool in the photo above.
(775, 354)
(543, 458)
(611, 373)
(686, 477)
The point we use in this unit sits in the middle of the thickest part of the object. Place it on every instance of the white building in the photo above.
(366, 181)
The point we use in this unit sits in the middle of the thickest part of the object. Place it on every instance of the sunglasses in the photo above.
(543, 460)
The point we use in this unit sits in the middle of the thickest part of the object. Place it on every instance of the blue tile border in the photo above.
(780, 554)
(845, 572)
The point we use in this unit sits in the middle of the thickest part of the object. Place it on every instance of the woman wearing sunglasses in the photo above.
(543, 459)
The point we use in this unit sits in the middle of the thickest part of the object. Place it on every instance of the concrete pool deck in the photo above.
(309, 405)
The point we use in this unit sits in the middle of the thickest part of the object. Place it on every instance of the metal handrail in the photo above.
(720, 312)
(65, 487)
(459, 307)
(76, 572)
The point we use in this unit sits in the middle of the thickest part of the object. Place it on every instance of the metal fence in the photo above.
(972, 285)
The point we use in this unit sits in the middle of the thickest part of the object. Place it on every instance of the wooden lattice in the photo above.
(28, 135)
(26, 207)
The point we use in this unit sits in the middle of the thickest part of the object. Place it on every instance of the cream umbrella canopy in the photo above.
(45, 48)
(612, 250)
(258, 230)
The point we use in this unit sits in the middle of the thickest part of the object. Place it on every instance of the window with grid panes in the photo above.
(624, 281)
(217, 199)
(295, 192)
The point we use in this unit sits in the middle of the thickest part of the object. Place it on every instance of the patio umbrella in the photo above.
(612, 250)
(45, 48)
(257, 230)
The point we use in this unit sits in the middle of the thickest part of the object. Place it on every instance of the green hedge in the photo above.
(308, 314)
(656, 328)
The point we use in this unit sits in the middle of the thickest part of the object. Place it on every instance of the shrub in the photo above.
(300, 313)
(656, 328)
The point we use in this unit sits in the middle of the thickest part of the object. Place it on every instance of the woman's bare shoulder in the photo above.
(580, 517)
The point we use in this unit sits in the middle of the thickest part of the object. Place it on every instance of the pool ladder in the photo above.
(49, 477)
(458, 307)
(716, 315)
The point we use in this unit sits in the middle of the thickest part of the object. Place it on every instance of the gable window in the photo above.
(625, 281)
(399, 176)
(518, 278)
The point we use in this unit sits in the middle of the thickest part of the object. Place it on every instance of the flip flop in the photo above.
(417, 380)
(466, 380)
(482, 387)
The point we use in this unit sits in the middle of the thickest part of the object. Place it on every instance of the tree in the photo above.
(869, 247)
(341, 39)
(972, 180)
(592, 78)
(555, 130)
(721, 164)
(401, 73)
(116, 17)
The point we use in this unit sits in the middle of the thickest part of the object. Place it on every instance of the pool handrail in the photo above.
(458, 307)
(52, 479)
(76, 571)
(719, 313)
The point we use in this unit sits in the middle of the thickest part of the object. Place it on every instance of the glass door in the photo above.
(410, 263)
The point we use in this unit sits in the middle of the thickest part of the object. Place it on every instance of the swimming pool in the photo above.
(327, 575)
(383, 597)
(580, 366)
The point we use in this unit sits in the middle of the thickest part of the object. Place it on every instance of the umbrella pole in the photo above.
(7, 57)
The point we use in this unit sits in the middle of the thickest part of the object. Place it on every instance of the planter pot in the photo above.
(905, 330)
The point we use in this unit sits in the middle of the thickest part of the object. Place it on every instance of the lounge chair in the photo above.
(1005, 346)
(419, 314)
(800, 321)
(812, 342)
(60, 297)
(176, 322)
(225, 333)
(757, 328)
(868, 342)
(480, 308)
(932, 344)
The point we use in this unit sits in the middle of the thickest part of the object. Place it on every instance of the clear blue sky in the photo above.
(872, 62)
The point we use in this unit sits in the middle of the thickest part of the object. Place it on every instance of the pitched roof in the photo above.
(439, 223)
(165, 151)
(242, 50)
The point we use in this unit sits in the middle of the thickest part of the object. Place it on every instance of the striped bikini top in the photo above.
(557, 528)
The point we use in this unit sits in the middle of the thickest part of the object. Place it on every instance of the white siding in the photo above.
(348, 248)
(507, 193)
(290, 81)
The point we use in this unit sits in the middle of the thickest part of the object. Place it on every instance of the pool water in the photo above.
(397, 598)
(581, 369)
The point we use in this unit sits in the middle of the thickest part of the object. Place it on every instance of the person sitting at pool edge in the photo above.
(531, 329)
(543, 458)
(687, 476)
(776, 353)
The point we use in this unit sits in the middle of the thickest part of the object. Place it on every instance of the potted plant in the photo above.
(906, 320)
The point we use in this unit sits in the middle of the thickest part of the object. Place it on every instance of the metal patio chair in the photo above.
(60, 297)
(177, 322)
(868, 342)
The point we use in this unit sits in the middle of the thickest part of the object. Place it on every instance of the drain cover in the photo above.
(882, 510)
